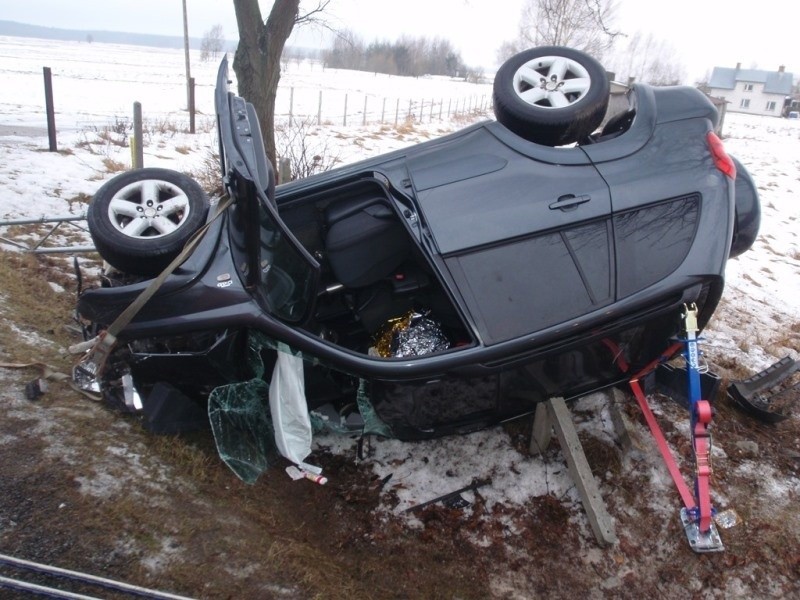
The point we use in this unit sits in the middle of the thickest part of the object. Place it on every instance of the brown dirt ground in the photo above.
(83, 487)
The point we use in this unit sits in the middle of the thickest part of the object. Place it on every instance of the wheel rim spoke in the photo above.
(533, 95)
(150, 190)
(163, 225)
(136, 227)
(529, 76)
(174, 205)
(557, 99)
(578, 85)
(558, 69)
(123, 208)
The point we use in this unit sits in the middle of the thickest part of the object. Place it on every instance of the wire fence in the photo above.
(345, 108)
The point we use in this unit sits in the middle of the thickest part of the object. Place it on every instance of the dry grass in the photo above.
(209, 174)
(34, 330)
(313, 568)
(114, 166)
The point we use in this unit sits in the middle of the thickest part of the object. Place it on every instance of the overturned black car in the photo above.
(455, 283)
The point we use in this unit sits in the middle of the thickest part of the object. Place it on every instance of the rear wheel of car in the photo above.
(551, 95)
(140, 220)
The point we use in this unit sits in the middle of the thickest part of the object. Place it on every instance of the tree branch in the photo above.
(310, 16)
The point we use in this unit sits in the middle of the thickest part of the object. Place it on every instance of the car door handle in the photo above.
(569, 202)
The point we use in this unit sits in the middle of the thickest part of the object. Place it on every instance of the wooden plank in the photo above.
(542, 430)
(621, 427)
(599, 519)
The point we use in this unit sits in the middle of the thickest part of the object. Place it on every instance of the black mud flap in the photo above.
(765, 395)
(672, 382)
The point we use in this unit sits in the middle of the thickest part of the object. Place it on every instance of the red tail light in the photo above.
(721, 159)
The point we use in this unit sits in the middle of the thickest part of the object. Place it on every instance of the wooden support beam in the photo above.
(620, 422)
(542, 430)
(554, 413)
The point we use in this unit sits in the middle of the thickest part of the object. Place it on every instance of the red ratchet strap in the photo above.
(661, 442)
(702, 454)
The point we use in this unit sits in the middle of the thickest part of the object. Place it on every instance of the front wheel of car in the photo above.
(551, 95)
(141, 219)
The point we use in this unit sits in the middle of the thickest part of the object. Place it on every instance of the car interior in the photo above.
(373, 271)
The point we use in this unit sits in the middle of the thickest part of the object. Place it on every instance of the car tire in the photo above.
(141, 219)
(551, 95)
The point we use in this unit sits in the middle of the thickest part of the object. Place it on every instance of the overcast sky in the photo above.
(705, 33)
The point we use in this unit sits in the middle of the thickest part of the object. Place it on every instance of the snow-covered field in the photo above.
(95, 86)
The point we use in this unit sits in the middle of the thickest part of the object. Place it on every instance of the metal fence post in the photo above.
(364, 119)
(319, 109)
(191, 104)
(344, 120)
(291, 105)
(49, 108)
(137, 151)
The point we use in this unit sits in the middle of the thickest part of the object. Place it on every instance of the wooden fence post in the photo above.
(284, 170)
(49, 108)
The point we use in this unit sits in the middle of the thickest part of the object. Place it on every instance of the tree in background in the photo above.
(647, 59)
(588, 25)
(581, 24)
(212, 43)
(347, 52)
(257, 62)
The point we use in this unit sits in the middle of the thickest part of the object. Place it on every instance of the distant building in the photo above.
(751, 91)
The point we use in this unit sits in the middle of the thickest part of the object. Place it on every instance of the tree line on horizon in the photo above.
(408, 56)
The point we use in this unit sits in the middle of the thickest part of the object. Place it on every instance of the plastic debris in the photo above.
(287, 403)
(297, 474)
(452, 497)
(768, 394)
(35, 389)
(727, 519)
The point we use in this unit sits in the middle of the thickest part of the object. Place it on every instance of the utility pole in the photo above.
(186, 51)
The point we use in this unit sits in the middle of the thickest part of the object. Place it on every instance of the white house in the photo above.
(751, 90)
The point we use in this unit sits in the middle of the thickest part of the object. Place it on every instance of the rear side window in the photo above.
(652, 242)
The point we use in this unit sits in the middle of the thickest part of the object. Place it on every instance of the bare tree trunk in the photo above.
(257, 60)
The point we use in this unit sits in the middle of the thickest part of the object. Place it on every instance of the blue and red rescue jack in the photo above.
(698, 512)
